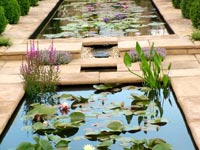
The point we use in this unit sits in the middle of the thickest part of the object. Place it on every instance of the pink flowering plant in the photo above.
(39, 78)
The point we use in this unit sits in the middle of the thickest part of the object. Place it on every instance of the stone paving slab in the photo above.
(119, 77)
(69, 69)
(10, 70)
(182, 64)
(96, 62)
(134, 67)
(11, 92)
(79, 78)
(171, 58)
(129, 45)
(100, 41)
(191, 107)
(3, 123)
(194, 126)
(184, 72)
(185, 86)
(172, 43)
(6, 78)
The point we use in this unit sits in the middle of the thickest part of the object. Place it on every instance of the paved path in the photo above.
(185, 73)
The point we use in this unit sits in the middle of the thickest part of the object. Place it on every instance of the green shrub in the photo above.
(195, 14)
(176, 3)
(185, 8)
(3, 20)
(24, 6)
(5, 41)
(196, 35)
(12, 10)
(33, 2)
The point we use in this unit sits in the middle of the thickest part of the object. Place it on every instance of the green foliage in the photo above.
(153, 75)
(176, 3)
(41, 144)
(185, 8)
(12, 10)
(196, 35)
(5, 41)
(39, 78)
(33, 2)
(195, 14)
(24, 6)
(3, 20)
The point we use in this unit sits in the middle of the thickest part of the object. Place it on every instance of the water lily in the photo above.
(88, 147)
(90, 8)
(64, 108)
(106, 19)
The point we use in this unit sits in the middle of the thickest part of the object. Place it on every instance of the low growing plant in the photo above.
(5, 41)
(39, 78)
(153, 75)
(196, 35)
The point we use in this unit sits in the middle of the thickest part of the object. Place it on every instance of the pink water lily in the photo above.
(64, 108)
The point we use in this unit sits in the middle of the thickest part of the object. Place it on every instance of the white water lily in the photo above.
(88, 147)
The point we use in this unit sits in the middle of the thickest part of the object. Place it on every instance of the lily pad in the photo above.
(116, 126)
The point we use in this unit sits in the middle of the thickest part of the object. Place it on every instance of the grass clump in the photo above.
(5, 41)
(196, 35)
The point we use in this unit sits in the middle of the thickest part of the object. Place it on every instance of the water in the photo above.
(104, 18)
(174, 132)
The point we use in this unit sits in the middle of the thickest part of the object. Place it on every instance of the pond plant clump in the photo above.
(40, 73)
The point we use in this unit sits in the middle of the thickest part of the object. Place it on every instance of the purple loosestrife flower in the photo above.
(51, 54)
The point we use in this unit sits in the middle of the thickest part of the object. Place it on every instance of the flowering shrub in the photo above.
(135, 57)
(59, 57)
(39, 78)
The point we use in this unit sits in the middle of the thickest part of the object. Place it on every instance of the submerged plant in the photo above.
(39, 78)
(153, 75)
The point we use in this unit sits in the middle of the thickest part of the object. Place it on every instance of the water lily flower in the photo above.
(106, 19)
(90, 8)
(117, 16)
(64, 108)
(88, 147)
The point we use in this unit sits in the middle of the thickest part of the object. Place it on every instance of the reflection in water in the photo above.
(102, 18)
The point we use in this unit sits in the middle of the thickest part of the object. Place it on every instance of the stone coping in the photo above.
(185, 73)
